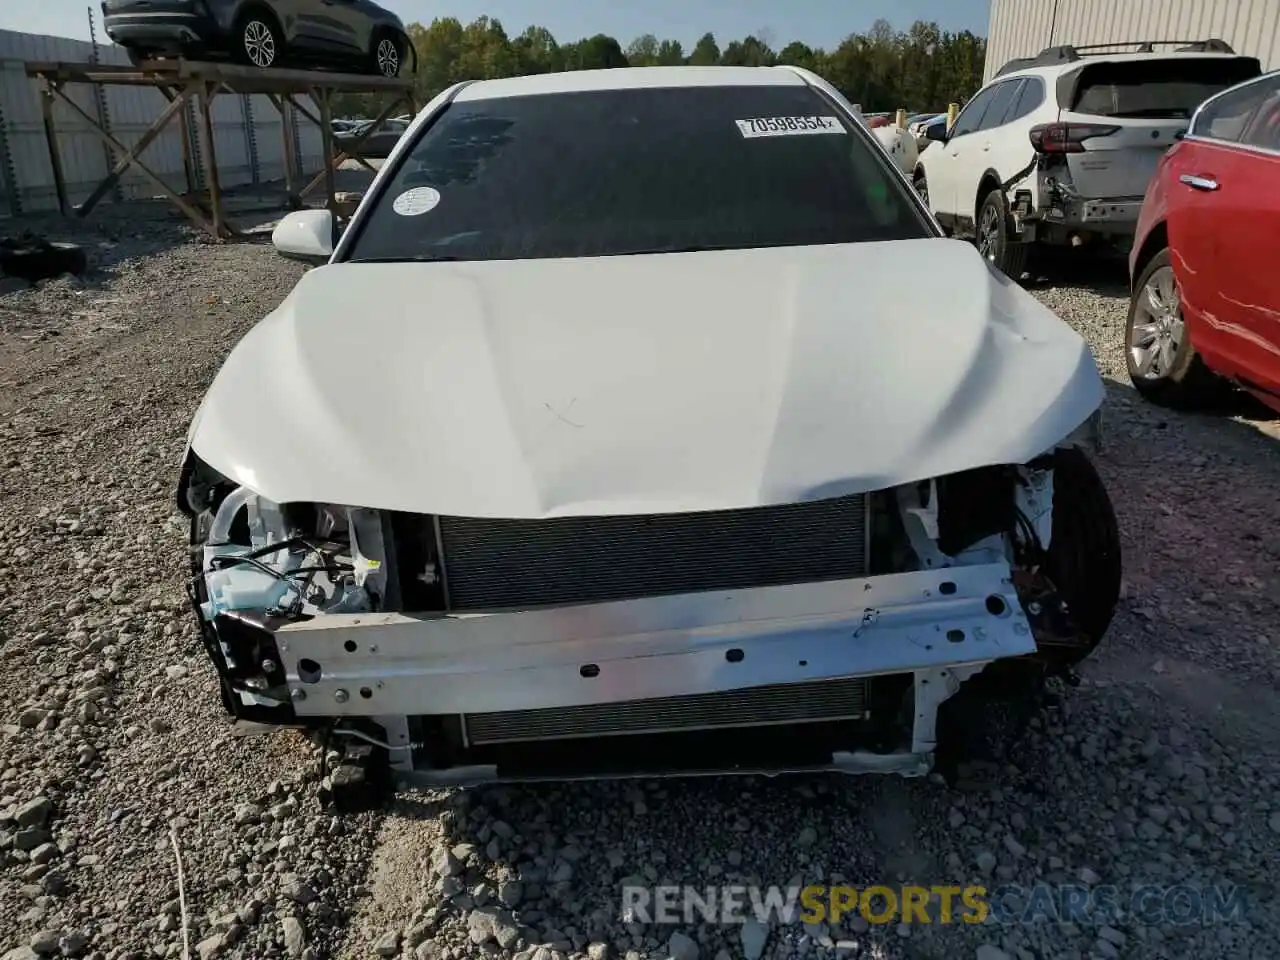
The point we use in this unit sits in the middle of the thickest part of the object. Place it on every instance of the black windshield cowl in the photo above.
(411, 258)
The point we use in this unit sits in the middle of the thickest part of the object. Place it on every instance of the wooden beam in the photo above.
(207, 93)
(235, 77)
(291, 173)
(303, 110)
(196, 217)
(172, 76)
(326, 139)
(184, 139)
(129, 157)
(51, 138)
(337, 160)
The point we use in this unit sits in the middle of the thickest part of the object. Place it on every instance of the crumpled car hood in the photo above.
(643, 384)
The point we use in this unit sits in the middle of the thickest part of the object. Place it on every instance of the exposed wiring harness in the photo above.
(250, 559)
(1030, 538)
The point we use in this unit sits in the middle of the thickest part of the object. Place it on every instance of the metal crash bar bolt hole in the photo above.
(590, 671)
(736, 655)
(308, 671)
(996, 606)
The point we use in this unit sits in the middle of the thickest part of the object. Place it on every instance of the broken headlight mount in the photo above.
(241, 644)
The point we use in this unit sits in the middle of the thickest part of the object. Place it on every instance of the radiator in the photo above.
(788, 703)
(522, 563)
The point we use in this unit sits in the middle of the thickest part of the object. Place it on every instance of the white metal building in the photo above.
(1022, 28)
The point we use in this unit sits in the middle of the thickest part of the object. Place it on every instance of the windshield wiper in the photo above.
(692, 248)
(412, 258)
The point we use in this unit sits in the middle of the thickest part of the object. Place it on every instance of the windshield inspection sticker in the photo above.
(788, 126)
(417, 201)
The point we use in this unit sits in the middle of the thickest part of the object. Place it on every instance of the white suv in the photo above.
(1059, 148)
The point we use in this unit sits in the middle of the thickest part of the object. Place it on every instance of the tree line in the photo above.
(921, 69)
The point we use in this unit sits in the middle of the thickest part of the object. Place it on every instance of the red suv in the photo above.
(1205, 305)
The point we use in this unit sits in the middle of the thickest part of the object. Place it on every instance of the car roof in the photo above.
(1057, 69)
(629, 78)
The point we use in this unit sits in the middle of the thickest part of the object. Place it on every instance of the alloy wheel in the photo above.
(388, 58)
(989, 232)
(1157, 329)
(259, 44)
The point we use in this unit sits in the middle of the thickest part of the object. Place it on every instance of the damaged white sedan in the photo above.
(608, 442)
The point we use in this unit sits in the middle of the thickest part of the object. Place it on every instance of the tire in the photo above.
(258, 40)
(1169, 371)
(1084, 560)
(993, 231)
(387, 55)
(922, 188)
(33, 258)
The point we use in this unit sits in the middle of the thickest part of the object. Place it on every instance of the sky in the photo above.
(819, 23)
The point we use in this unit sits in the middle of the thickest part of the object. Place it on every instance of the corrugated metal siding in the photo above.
(1022, 28)
(130, 111)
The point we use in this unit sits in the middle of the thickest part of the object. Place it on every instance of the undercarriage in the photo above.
(824, 635)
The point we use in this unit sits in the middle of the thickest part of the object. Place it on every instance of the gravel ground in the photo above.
(1161, 767)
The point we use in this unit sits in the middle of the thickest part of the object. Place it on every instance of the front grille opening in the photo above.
(573, 560)
(769, 748)
(769, 705)
(776, 728)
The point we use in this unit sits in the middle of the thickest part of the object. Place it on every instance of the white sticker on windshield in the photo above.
(788, 126)
(416, 201)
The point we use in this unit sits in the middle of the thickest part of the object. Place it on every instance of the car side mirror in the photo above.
(305, 235)
(936, 133)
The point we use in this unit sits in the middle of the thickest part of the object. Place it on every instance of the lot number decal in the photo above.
(417, 201)
(788, 126)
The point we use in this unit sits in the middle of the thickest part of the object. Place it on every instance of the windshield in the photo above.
(632, 171)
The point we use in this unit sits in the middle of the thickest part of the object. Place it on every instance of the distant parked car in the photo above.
(1058, 148)
(352, 34)
(1205, 301)
(379, 144)
(899, 144)
(921, 130)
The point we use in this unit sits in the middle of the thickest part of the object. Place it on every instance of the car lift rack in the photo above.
(182, 82)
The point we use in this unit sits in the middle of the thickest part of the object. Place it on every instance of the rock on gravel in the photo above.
(1160, 768)
(294, 935)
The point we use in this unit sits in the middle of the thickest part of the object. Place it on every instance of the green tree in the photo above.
(594, 53)
(921, 69)
(643, 51)
(486, 51)
(798, 54)
(670, 53)
(706, 52)
(537, 51)
(750, 52)
(439, 50)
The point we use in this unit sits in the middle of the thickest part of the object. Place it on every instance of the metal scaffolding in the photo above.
(184, 84)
